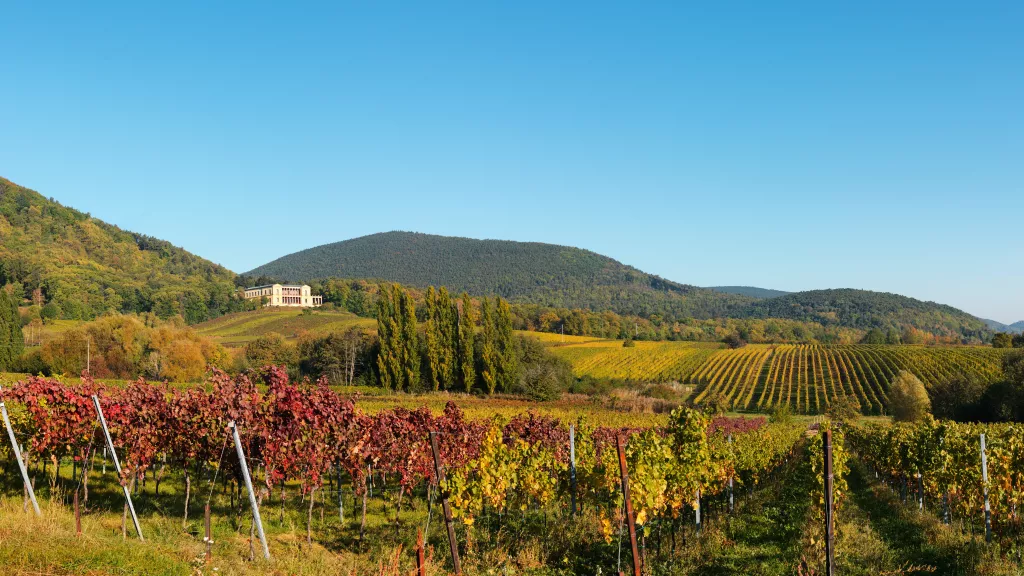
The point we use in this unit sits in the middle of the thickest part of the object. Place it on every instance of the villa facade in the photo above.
(288, 295)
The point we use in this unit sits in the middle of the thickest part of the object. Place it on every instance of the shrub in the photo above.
(842, 409)
(661, 392)
(1002, 340)
(542, 375)
(1013, 367)
(908, 398)
(781, 414)
(734, 341)
(270, 349)
(958, 399)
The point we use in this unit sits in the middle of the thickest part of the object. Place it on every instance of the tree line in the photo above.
(458, 347)
(1005, 340)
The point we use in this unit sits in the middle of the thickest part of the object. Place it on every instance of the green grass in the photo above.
(37, 336)
(239, 328)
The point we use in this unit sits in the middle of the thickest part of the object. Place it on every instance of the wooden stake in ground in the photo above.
(17, 455)
(572, 470)
(439, 474)
(248, 485)
(830, 562)
(629, 505)
(209, 537)
(984, 486)
(117, 465)
(421, 563)
(78, 516)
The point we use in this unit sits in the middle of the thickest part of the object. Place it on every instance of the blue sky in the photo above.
(876, 145)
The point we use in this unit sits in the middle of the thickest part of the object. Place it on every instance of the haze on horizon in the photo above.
(786, 146)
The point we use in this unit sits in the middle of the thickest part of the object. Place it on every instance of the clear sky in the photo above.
(875, 145)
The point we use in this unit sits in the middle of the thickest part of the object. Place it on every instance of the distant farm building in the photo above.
(284, 295)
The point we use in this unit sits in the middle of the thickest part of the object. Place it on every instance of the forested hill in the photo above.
(751, 291)
(545, 274)
(84, 267)
(866, 310)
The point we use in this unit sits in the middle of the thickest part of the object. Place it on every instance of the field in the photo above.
(39, 334)
(761, 377)
(239, 328)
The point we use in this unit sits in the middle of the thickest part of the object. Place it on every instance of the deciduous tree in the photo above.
(908, 398)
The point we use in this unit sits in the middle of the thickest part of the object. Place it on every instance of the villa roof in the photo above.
(272, 285)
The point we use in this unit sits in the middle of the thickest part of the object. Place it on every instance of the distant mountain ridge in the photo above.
(751, 291)
(1015, 328)
(563, 276)
(865, 310)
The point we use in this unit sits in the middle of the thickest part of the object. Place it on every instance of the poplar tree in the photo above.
(433, 338)
(467, 332)
(507, 355)
(447, 321)
(388, 333)
(488, 347)
(410, 341)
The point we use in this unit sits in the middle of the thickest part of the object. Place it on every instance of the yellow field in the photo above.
(239, 328)
(646, 361)
(550, 339)
(567, 409)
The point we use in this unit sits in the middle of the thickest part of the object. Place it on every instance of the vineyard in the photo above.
(971, 475)
(238, 328)
(647, 361)
(761, 377)
(341, 489)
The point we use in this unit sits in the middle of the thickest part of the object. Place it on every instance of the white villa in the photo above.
(284, 295)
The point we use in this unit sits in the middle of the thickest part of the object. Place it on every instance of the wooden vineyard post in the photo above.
(421, 562)
(829, 543)
(78, 516)
(439, 474)
(248, 486)
(984, 487)
(696, 512)
(629, 505)
(209, 537)
(117, 465)
(17, 456)
(341, 499)
(572, 469)
(731, 501)
(945, 493)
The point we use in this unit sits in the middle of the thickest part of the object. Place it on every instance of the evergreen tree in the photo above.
(467, 332)
(12, 341)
